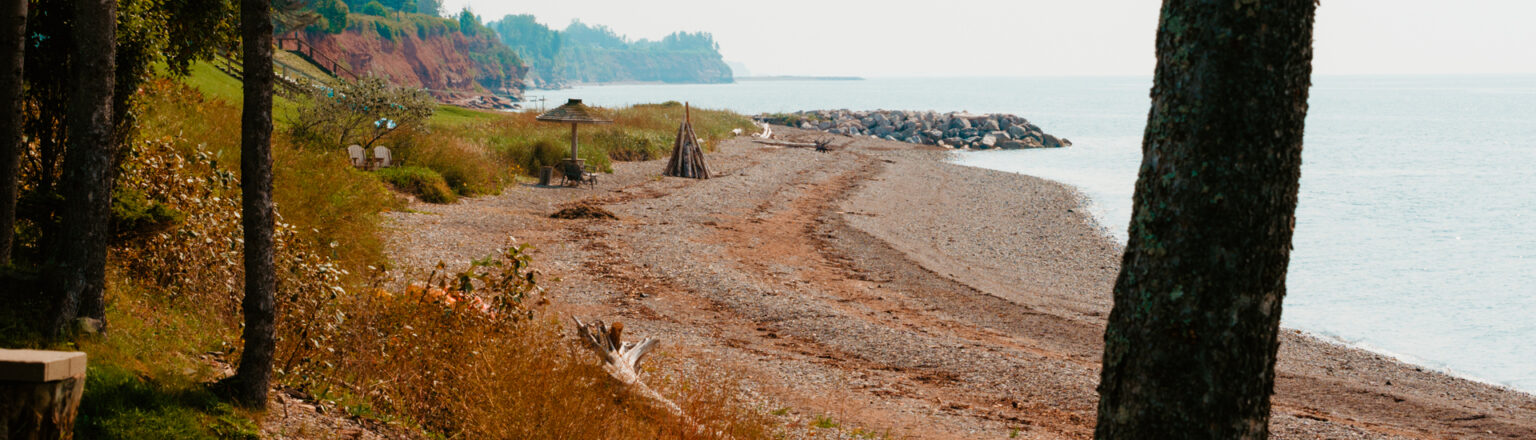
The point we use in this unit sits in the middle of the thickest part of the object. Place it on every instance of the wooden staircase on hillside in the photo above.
(291, 81)
(297, 46)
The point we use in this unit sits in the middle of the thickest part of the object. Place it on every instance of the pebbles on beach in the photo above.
(886, 289)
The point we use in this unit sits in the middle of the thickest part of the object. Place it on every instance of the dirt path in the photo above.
(880, 288)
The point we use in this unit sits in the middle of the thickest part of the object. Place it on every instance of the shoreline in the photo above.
(1441, 368)
(883, 287)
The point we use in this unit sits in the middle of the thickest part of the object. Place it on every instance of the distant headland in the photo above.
(798, 78)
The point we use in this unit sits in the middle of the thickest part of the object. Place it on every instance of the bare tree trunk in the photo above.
(79, 261)
(1190, 347)
(254, 374)
(13, 31)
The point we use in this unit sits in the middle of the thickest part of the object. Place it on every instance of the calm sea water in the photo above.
(1416, 229)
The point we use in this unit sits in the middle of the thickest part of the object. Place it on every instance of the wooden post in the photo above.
(40, 393)
(573, 141)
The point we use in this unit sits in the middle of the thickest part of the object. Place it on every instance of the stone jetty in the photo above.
(960, 130)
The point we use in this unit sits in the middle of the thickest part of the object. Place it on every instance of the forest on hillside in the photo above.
(583, 53)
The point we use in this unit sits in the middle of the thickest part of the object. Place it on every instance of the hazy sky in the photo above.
(1037, 37)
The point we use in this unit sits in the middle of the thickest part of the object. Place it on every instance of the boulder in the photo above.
(991, 125)
(1018, 132)
(823, 125)
(954, 141)
(989, 140)
(959, 123)
(936, 134)
(1050, 141)
(1000, 135)
(807, 125)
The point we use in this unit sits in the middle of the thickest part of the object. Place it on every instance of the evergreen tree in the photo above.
(254, 374)
(1189, 352)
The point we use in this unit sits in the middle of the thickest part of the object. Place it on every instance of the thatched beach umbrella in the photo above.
(573, 112)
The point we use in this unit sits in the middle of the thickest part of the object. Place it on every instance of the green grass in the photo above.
(119, 403)
(218, 85)
(453, 116)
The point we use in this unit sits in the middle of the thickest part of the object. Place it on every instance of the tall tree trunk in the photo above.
(79, 261)
(1190, 347)
(13, 31)
(255, 371)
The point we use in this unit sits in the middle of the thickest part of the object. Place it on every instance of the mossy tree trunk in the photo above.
(254, 374)
(1190, 347)
(13, 31)
(78, 262)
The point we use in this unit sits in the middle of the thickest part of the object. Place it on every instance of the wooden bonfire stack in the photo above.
(687, 154)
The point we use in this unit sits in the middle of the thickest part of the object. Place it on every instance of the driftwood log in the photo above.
(785, 143)
(687, 154)
(622, 359)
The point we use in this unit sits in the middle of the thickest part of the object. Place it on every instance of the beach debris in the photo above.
(767, 130)
(687, 153)
(584, 211)
(622, 359)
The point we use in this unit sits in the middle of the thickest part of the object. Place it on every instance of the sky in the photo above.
(1041, 38)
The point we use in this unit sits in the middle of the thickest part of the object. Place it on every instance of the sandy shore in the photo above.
(890, 291)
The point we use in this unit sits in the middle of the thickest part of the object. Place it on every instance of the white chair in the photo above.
(382, 156)
(355, 153)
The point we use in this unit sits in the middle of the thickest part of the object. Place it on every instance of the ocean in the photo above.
(1416, 226)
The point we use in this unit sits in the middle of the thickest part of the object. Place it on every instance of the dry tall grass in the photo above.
(461, 354)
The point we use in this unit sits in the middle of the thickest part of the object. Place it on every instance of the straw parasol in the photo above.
(573, 112)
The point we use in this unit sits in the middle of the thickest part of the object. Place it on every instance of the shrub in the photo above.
(540, 154)
(376, 9)
(423, 182)
(385, 31)
(467, 167)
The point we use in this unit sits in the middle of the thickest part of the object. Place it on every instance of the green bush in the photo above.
(376, 9)
(540, 154)
(421, 181)
(134, 214)
(385, 32)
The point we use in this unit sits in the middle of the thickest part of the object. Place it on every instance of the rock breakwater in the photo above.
(959, 130)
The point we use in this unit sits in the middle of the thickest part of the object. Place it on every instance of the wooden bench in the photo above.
(40, 393)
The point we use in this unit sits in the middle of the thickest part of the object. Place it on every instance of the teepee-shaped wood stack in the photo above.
(687, 154)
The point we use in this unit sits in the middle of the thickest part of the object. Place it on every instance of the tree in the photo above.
(79, 261)
(254, 374)
(13, 31)
(1189, 351)
(333, 14)
(430, 7)
(363, 111)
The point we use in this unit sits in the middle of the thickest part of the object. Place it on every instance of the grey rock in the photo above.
(1051, 141)
(989, 140)
(1018, 132)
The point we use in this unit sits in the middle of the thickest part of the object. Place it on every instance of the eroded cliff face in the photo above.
(442, 63)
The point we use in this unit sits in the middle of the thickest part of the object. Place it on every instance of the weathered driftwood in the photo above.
(767, 131)
(622, 359)
(786, 143)
(687, 154)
